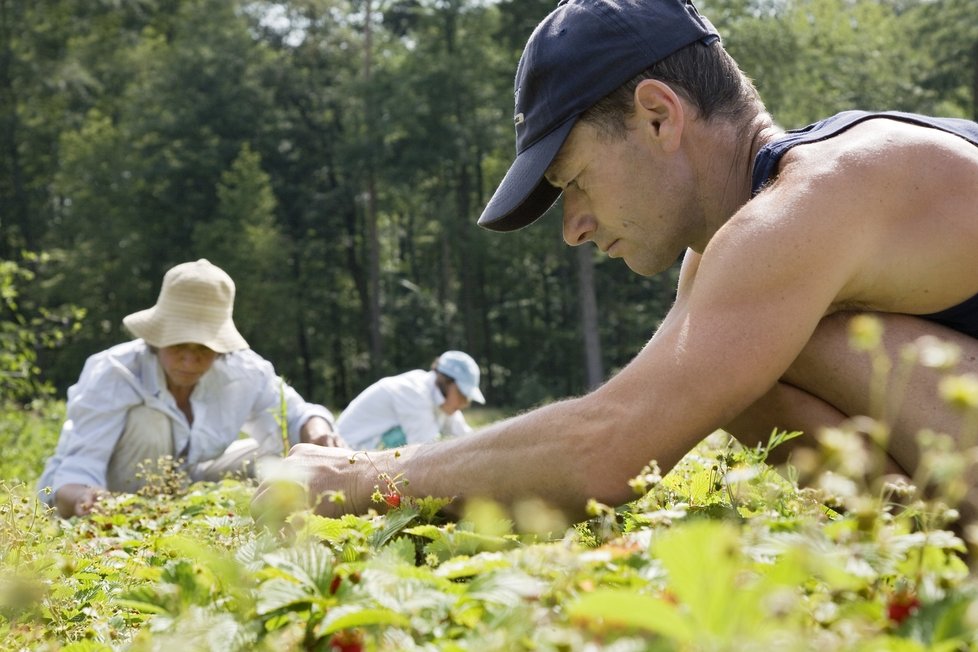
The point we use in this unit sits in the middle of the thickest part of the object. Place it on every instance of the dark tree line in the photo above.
(333, 156)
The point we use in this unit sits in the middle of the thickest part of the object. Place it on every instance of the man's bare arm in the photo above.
(761, 287)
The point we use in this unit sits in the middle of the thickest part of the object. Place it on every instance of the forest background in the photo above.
(333, 156)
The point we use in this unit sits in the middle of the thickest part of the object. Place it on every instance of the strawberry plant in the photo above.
(721, 553)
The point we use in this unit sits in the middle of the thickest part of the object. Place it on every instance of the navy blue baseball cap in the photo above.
(580, 53)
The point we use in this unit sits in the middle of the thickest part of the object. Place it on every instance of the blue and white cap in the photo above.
(461, 368)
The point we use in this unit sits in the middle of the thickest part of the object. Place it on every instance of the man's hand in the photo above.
(333, 485)
(319, 431)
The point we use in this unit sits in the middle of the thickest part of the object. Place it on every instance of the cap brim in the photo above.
(477, 396)
(524, 195)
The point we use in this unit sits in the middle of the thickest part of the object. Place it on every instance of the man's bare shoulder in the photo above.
(895, 205)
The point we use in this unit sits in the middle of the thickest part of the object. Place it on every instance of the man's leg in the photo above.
(146, 438)
(784, 407)
(831, 370)
(830, 382)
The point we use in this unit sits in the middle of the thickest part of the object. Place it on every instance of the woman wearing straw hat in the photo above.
(185, 389)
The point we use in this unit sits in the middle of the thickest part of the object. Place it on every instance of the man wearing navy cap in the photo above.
(661, 148)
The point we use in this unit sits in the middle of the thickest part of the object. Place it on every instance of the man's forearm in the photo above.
(564, 453)
(558, 453)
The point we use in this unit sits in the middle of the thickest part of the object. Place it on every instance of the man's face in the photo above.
(624, 195)
(184, 364)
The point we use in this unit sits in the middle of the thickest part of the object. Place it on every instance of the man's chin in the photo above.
(642, 269)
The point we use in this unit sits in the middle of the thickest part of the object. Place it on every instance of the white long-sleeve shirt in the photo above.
(411, 401)
(239, 393)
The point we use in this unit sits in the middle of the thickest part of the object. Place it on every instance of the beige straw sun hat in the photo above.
(194, 307)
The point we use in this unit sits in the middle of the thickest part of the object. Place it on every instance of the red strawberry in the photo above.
(393, 499)
(334, 585)
(901, 606)
(346, 641)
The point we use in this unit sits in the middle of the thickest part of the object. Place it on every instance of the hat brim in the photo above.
(150, 326)
(524, 195)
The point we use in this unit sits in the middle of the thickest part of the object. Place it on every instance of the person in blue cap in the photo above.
(414, 407)
(660, 146)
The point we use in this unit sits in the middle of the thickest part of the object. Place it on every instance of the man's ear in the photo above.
(661, 111)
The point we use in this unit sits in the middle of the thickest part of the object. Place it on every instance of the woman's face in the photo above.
(184, 364)
(454, 400)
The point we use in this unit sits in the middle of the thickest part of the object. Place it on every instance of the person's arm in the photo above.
(305, 422)
(77, 499)
(457, 426)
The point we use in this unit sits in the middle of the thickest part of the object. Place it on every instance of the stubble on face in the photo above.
(625, 188)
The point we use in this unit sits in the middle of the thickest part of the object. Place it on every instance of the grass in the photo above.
(480, 415)
(722, 553)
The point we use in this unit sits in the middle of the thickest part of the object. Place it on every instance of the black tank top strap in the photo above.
(767, 159)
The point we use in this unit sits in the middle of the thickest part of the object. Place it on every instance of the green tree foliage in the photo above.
(335, 162)
(244, 239)
(143, 167)
(26, 328)
(812, 58)
(948, 30)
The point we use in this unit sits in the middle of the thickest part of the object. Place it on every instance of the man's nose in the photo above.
(579, 222)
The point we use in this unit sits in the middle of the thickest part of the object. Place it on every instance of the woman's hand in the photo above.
(78, 499)
(319, 431)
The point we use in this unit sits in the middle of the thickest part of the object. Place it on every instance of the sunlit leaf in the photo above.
(348, 617)
(508, 588)
(705, 565)
(326, 529)
(278, 594)
(609, 609)
(396, 521)
(309, 565)
(86, 646)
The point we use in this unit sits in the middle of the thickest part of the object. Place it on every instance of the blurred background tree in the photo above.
(333, 156)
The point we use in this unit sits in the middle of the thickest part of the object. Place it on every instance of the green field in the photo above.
(721, 554)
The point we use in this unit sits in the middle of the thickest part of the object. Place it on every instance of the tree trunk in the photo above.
(308, 382)
(370, 208)
(14, 222)
(587, 300)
